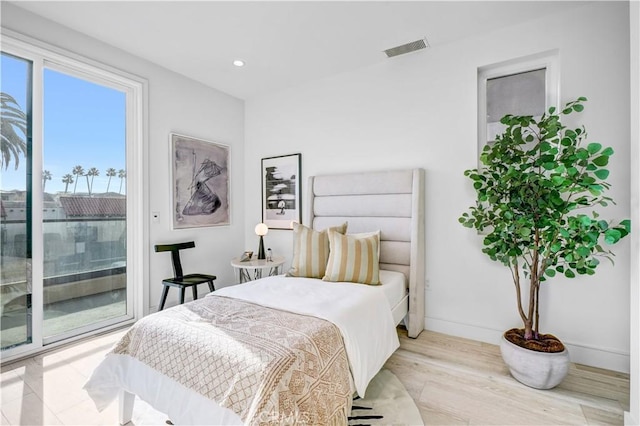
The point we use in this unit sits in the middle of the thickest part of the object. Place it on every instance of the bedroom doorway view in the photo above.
(63, 203)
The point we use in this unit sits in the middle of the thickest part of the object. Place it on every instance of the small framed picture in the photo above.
(281, 191)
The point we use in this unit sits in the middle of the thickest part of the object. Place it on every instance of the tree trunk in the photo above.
(536, 331)
(528, 330)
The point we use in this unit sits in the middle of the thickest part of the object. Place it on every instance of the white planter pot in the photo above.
(538, 370)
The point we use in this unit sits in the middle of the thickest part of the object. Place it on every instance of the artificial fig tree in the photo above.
(536, 190)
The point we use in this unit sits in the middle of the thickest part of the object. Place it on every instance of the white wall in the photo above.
(419, 110)
(632, 417)
(175, 104)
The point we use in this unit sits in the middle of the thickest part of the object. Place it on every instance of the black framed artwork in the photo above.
(281, 191)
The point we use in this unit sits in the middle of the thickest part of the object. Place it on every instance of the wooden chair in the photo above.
(180, 280)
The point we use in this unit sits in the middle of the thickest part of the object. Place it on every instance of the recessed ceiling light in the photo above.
(238, 63)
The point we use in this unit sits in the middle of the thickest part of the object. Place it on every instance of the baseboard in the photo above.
(629, 420)
(610, 359)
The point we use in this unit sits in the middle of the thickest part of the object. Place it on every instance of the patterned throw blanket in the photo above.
(268, 366)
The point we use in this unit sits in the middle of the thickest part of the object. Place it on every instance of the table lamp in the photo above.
(261, 230)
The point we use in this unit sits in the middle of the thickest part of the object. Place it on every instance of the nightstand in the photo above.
(257, 267)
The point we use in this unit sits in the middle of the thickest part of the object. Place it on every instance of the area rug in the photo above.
(386, 403)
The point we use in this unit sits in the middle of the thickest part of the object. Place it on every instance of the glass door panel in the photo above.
(15, 203)
(84, 216)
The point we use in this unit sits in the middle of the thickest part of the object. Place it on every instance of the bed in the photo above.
(284, 349)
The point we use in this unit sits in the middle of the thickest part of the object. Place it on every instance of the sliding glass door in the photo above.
(84, 203)
(15, 203)
(67, 135)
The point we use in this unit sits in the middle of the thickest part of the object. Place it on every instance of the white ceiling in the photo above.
(283, 43)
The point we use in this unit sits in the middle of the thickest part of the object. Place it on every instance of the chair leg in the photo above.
(163, 298)
(181, 295)
(211, 287)
(195, 291)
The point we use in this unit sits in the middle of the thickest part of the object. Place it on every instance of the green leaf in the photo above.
(594, 147)
(608, 151)
(602, 173)
(550, 272)
(612, 236)
(578, 108)
(525, 232)
(585, 220)
(626, 224)
(569, 273)
(601, 161)
(583, 251)
(545, 146)
(582, 154)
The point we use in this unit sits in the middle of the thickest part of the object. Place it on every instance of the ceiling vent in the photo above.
(407, 48)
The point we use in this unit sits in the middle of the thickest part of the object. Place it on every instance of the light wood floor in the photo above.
(457, 381)
(452, 380)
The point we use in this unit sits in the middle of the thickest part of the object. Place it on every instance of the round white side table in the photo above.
(257, 268)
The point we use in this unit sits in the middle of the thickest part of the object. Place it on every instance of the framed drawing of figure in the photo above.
(281, 191)
(200, 179)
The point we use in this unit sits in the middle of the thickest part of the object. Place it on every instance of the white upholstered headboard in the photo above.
(391, 201)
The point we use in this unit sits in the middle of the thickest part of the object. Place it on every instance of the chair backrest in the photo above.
(175, 254)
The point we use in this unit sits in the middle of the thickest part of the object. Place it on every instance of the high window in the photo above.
(524, 86)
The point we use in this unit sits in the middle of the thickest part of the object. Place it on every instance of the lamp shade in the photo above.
(261, 229)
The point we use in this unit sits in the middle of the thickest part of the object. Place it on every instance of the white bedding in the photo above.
(361, 313)
(394, 286)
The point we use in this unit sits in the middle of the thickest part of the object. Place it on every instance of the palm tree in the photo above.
(46, 175)
(13, 131)
(93, 172)
(121, 174)
(78, 171)
(111, 172)
(67, 179)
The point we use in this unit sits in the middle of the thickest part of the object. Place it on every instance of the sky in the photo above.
(84, 124)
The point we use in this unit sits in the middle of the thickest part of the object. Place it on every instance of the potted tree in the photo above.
(535, 192)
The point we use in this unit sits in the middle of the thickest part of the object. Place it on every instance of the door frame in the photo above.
(136, 88)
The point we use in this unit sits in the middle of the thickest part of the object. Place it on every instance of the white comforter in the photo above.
(361, 313)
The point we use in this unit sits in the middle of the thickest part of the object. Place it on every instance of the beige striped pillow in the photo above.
(353, 259)
(311, 251)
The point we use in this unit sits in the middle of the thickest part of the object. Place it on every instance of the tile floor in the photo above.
(47, 389)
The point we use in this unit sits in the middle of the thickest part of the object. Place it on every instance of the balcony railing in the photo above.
(84, 260)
